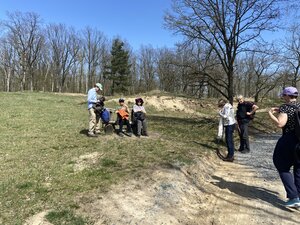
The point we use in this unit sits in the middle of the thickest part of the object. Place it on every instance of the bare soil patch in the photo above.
(209, 192)
(38, 219)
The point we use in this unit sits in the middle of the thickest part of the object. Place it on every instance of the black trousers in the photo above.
(244, 135)
(122, 122)
(284, 159)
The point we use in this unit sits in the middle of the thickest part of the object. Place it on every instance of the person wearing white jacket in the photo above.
(227, 116)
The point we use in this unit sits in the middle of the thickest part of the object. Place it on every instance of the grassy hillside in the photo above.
(42, 141)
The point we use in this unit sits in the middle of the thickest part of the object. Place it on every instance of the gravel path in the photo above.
(261, 156)
(250, 190)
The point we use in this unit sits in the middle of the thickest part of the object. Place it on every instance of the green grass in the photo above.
(65, 217)
(42, 135)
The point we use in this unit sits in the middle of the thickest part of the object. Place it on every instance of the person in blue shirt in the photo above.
(94, 119)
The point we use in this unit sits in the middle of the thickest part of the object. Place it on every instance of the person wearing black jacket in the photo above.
(244, 114)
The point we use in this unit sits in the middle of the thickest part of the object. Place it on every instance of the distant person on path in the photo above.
(244, 114)
(123, 118)
(139, 116)
(94, 119)
(227, 114)
(283, 157)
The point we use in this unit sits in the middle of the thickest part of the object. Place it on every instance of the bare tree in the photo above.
(7, 62)
(263, 73)
(25, 35)
(94, 43)
(147, 67)
(292, 54)
(168, 71)
(65, 46)
(227, 26)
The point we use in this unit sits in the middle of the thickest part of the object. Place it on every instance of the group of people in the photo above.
(283, 117)
(228, 119)
(287, 147)
(138, 118)
(96, 111)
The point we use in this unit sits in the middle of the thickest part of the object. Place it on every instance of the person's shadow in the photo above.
(84, 131)
(250, 192)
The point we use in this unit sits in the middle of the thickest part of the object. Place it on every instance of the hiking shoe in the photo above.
(121, 134)
(91, 134)
(228, 159)
(245, 151)
(292, 203)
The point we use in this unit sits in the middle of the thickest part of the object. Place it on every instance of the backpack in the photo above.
(98, 107)
(105, 116)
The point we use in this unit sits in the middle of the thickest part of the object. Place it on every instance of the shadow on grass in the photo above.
(187, 121)
(250, 192)
(84, 131)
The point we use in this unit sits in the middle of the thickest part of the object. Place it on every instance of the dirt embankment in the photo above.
(211, 191)
(163, 103)
(245, 192)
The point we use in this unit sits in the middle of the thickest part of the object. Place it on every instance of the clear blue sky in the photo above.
(139, 22)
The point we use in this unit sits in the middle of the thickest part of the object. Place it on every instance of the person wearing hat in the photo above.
(123, 118)
(94, 119)
(139, 116)
(244, 114)
(283, 156)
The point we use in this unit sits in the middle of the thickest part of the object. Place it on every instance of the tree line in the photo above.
(223, 53)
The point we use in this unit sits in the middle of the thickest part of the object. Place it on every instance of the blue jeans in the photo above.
(229, 129)
(284, 159)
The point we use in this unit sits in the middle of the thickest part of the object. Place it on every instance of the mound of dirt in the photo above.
(162, 103)
(162, 196)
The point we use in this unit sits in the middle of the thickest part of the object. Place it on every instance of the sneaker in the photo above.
(91, 134)
(129, 134)
(97, 132)
(293, 203)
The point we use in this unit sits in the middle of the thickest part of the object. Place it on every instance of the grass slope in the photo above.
(43, 135)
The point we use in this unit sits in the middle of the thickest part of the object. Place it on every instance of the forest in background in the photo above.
(223, 52)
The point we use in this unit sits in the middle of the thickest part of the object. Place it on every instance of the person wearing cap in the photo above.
(123, 118)
(139, 116)
(94, 119)
(283, 156)
(244, 114)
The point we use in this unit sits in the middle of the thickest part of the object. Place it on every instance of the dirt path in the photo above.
(249, 190)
